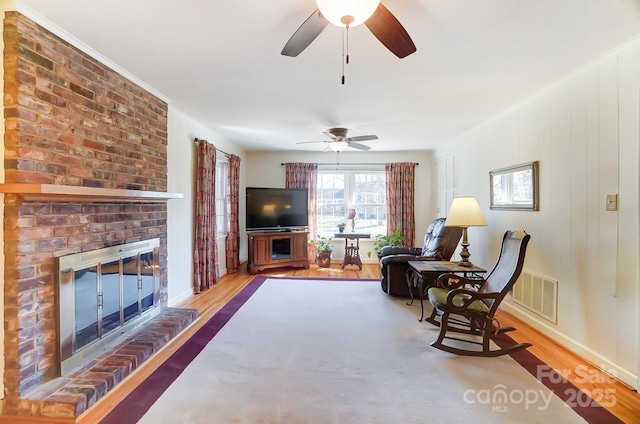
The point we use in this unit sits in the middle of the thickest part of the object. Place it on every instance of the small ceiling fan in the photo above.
(375, 16)
(339, 140)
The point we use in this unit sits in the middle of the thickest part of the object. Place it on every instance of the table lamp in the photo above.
(352, 217)
(465, 212)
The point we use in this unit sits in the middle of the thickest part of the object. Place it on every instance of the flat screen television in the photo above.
(276, 209)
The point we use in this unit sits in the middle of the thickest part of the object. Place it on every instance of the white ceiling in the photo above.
(219, 62)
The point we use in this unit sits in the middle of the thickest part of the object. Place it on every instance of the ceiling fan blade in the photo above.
(390, 32)
(307, 142)
(359, 146)
(307, 32)
(363, 138)
(330, 135)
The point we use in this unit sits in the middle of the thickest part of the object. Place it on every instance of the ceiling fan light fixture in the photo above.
(347, 12)
(338, 146)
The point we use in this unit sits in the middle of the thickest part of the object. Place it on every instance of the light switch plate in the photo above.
(612, 202)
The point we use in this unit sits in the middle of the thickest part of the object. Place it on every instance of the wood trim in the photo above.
(63, 193)
(32, 419)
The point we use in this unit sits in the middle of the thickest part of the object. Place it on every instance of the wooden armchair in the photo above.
(469, 306)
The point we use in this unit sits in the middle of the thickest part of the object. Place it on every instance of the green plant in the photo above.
(341, 226)
(323, 244)
(382, 240)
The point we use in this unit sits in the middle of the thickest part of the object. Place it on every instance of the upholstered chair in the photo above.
(440, 243)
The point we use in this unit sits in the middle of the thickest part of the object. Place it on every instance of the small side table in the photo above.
(352, 253)
(421, 272)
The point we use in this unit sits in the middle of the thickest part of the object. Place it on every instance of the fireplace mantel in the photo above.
(64, 193)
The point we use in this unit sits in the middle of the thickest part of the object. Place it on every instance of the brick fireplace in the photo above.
(70, 121)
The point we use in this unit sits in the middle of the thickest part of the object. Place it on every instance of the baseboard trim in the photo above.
(173, 302)
(579, 349)
(30, 419)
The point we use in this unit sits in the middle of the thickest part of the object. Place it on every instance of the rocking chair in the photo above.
(475, 302)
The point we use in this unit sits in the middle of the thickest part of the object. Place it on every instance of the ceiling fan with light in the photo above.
(347, 14)
(339, 140)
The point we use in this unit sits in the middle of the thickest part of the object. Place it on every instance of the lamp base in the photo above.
(466, 264)
(464, 253)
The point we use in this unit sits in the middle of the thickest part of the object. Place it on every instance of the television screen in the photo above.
(276, 208)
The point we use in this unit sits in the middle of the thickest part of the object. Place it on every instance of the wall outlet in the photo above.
(612, 202)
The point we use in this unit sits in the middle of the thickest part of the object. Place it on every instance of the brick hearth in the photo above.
(71, 395)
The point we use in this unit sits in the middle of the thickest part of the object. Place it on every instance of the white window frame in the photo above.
(222, 197)
(350, 202)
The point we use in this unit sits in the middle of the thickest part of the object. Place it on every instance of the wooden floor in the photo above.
(626, 402)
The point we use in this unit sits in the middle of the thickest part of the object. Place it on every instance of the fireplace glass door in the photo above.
(86, 310)
(102, 295)
(131, 308)
(109, 298)
(146, 276)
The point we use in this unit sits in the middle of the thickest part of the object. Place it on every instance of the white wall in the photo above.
(182, 130)
(584, 132)
(265, 170)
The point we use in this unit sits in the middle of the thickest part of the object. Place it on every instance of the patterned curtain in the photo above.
(305, 175)
(233, 236)
(205, 255)
(400, 189)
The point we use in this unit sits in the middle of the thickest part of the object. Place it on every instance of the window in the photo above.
(222, 198)
(364, 191)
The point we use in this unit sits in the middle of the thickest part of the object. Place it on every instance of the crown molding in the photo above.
(20, 7)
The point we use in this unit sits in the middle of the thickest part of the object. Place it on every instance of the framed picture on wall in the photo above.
(515, 187)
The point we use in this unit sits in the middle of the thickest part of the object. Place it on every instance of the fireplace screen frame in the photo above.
(69, 266)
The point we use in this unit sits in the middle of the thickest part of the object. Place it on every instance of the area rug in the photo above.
(288, 350)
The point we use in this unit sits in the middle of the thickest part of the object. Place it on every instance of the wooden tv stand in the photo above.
(276, 249)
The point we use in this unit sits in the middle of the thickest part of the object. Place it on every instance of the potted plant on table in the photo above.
(382, 240)
(341, 227)
(323, 251)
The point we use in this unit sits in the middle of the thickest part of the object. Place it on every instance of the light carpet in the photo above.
(328, 351)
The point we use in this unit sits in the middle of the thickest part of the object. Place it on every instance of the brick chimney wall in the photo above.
(69, 120)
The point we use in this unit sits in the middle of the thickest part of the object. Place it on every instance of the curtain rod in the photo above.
(197, 140)
(349, 163)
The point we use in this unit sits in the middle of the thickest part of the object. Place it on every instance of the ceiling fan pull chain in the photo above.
(347, 27)
(343, 56)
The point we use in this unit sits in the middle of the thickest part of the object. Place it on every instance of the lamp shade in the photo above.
(347, 12)
(465, 212)
(338, 146)
(352, 214)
